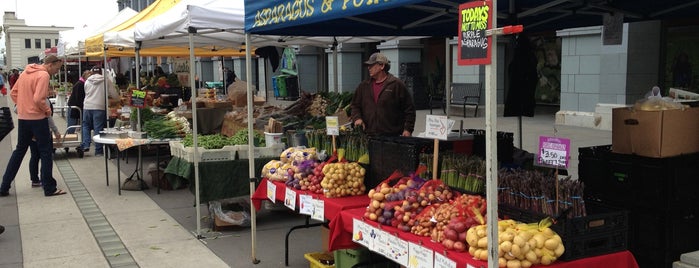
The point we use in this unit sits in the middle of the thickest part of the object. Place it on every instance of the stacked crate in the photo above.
(660, 193)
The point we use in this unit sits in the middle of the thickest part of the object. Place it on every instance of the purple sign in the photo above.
(553, 152)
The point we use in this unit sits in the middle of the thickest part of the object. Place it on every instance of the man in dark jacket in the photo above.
(77, 97)
(382, 104)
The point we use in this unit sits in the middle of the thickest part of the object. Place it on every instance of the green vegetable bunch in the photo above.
(217, 141)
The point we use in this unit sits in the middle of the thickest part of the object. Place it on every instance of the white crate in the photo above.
(226, 153)
(271, 151)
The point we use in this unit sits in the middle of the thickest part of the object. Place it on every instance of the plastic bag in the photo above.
(233, 211)
(657, 104)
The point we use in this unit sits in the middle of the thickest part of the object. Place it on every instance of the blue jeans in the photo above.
(34, 161)
(71, 121)
(26, 130)
(93, 120)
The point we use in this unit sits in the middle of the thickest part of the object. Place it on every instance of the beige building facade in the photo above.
(24, 44)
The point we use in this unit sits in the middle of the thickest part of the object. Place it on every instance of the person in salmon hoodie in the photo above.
(30, 93)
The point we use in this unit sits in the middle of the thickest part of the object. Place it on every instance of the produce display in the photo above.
(434, 221)
(386, 197)
(520, 244)
(467, 173)
(165, 127)
(343, 179)
(276, 170)
(311, 109)
(537, 192)
(354, 142)
(217, 141)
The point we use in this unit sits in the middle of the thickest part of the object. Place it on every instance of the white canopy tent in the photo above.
(72, 42)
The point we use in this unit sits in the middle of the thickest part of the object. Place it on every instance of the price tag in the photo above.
(290, 199)
(553, 152)
(420, 257)
(271, 192)
(441, 261)
(381, 242)
(398, 250)
(138, 98)
(361, 233)
(438, 127)
(332, 123)
(305, 204)
(318, 210)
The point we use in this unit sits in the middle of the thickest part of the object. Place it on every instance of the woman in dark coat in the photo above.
(77, 97)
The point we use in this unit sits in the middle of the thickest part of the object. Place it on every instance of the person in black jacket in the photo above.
(77, 97)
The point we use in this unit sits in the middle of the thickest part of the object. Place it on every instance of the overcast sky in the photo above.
(64, 13)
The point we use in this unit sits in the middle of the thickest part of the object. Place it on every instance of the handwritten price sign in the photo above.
(553, 152)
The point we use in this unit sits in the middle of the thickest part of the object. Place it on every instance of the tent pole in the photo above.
(251, 147)
(223, 75)
(491, 147)
(138, 86)
(195, 142)
(335, 76)
(447, 77)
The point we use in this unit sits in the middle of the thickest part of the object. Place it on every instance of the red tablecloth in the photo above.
(333, 206)
(341, 229)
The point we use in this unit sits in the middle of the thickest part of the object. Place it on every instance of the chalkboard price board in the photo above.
(138, 98)
(474, 19)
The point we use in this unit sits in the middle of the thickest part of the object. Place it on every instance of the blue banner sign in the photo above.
(274, 14)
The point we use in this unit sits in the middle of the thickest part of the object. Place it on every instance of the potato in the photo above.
(551, 244)
(506, 246)
(513, 264)
(483, 242)
(559, 250)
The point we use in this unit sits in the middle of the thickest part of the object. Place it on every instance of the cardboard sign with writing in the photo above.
(474, 47)
(438, 126)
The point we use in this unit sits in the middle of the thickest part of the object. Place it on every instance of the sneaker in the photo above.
(99, 154)
(4, 193)
(36, 184)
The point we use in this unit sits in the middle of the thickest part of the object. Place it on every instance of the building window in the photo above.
(47, 43)
(37, 43)
(27, 43)
(55, 42)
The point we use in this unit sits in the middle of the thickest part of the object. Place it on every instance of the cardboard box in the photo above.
(655, 133)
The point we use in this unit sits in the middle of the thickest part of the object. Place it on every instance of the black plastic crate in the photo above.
(654, 258)
(388, 154)
(661, 182)
(630, 180)
(675, 229)
(600, 218)
(594, 245)
(603, 230)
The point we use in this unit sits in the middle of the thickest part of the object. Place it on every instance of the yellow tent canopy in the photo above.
(119, 41)
(96, 46)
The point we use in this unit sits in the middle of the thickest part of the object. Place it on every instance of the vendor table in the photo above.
(331, 209)
(218, 179)
(136, 142)
(342, 229)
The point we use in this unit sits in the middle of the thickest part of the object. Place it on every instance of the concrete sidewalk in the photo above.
(93, 226)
